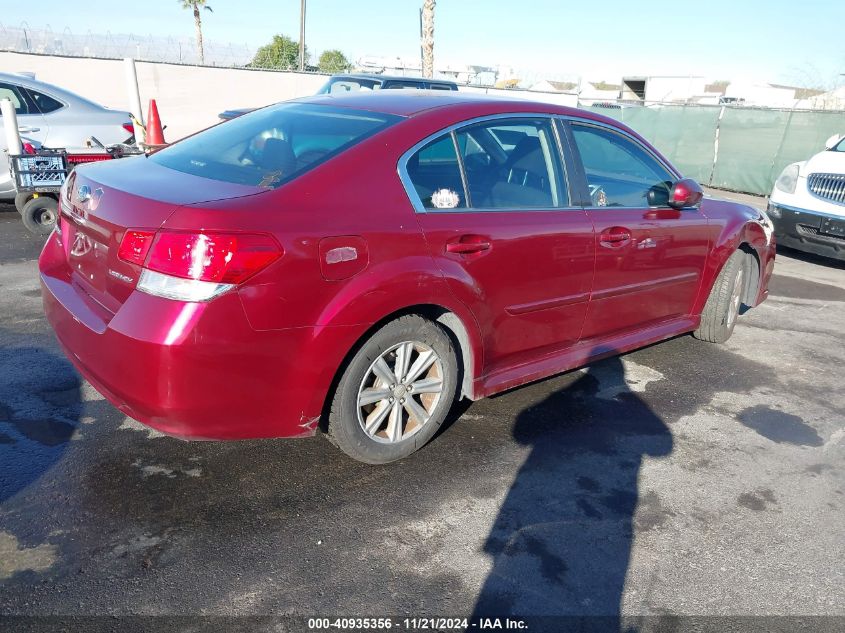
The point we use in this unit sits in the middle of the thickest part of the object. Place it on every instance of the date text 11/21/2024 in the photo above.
(416, 624)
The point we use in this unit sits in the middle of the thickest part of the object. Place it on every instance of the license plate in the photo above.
(833, 227)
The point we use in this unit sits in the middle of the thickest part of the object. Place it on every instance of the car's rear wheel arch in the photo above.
(452, 325)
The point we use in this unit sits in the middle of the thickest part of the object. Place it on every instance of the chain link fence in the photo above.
(46, 41)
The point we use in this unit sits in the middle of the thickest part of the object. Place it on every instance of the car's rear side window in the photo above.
(45, 103)
(436, 175)
(271, 146)
(512, 164)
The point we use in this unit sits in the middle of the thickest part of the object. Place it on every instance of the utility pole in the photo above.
(302, 36)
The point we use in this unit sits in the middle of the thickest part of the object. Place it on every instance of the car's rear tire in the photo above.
(21, 199)
(722, 308)
(39, 215)
(395, 392)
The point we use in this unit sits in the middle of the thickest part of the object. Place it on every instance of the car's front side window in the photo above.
(14, 94)
(512, 164)
(620, 173)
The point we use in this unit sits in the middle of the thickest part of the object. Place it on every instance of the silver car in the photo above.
(50, 116)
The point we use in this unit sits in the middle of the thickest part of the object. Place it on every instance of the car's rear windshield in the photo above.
(271, 146)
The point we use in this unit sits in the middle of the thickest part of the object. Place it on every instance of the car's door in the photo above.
(649, 257)
(493, 202)
(31, 126)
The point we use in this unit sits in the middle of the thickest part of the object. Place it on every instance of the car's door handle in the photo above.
(468, 244)
(25, 129)
(615, 237)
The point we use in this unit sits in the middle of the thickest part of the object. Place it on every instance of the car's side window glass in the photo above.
(620, 173)
(13, 93)
(436, 175)
(512, 164)
(45, 103)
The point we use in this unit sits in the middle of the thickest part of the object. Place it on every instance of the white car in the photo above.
(54, 117)
(807, 205)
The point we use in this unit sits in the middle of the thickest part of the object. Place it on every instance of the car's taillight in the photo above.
(228, 258)
(129, 128)
(135, 245)
(196, 266)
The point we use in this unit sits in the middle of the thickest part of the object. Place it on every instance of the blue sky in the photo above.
(778, 40)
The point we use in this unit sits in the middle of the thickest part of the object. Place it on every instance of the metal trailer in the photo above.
(39, 177)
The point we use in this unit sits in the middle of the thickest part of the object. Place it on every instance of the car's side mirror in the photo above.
(832, 141)
(685, 193)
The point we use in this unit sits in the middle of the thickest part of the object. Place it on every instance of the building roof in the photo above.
(561, 86)
(603, 85)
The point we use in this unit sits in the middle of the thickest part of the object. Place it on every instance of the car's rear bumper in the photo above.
(193, 370)
(806, 230)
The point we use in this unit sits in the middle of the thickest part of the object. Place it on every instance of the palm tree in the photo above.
(195, 6)
(428, 38)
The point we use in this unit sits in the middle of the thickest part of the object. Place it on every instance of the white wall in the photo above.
(189, 98)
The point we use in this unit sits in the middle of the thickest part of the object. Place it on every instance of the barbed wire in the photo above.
(23, 38)
(108, 45)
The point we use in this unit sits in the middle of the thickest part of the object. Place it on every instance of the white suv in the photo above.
(807, 205)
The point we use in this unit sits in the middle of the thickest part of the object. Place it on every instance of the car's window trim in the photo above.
(416, 201)
(569, 121)
(467, 197)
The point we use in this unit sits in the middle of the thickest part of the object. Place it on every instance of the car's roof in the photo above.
(56, 91)
(391, 78)
(409, 103)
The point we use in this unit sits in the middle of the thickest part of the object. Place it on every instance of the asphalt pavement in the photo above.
(682, 479)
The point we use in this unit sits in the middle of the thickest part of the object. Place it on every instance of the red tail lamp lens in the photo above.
(135, 246)
(217, 257)
(129, 128)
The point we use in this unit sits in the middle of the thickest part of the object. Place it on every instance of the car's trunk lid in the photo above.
(110, 197)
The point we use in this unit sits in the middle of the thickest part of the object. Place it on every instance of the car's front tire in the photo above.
(721, 311)
(395, 392)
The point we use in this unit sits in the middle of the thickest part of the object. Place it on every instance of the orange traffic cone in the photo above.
(155, 134)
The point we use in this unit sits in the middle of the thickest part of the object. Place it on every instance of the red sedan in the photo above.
(356, 263)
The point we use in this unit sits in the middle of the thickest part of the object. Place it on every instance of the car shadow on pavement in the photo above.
(35, 424)
(562, 539)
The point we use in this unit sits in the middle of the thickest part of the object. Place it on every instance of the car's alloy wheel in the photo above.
(400, 392)
(395, 391)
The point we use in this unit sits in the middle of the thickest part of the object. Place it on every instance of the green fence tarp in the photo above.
(754, 145)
